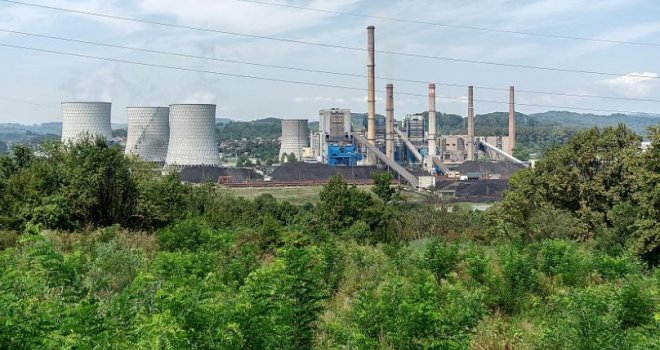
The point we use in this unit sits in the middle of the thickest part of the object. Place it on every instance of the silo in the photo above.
(148, 132)
(192, 136)
(81, 119)
(295, 137)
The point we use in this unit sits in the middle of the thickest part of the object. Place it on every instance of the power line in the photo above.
(445, 25)
(26, 102)
(303, 42)
(278, 80)
(299, 69)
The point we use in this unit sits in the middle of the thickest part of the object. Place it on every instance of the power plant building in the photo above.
(414, 129)
(295, 137)
(85, 119)
(193, 139)
(148, 133)
(334, 129)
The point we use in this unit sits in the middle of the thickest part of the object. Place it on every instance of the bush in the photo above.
(440, 257)
(187, 235)
(614, 267)
(564, 260)
(637, 303)
(512, 287)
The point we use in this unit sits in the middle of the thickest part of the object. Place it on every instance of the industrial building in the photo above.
(148, 133)
(192, 136)
(416, 144)
(85, 119)
(295, 138)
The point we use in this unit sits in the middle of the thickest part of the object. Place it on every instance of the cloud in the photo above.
(633, 85)
(241, 16)
(316, 99)
(200, 96)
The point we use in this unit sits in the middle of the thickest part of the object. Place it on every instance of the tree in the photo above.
(383, 186)
(340, 205)
(588, 176)
(647, 225)
(291, 158)
(98, 183)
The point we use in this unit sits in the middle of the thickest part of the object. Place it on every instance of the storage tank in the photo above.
(148, 133)
(192, 136)
(81, 119)
(295, 137)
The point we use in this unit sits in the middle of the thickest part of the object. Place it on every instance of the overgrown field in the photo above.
(100, 252)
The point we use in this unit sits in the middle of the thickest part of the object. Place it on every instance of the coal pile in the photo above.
(475, 191)
(486, 169)
(289, 172)
(199, 174)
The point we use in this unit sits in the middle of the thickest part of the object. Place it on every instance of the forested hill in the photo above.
(497, 122)
(269, 128)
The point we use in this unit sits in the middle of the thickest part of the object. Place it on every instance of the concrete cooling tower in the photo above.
(192, 136)
(295, 137)
(80, 119)
(148, 133)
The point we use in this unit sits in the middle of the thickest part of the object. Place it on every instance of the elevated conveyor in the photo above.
(410, 178)
(443, 167)
(409, 144)
(490, 147)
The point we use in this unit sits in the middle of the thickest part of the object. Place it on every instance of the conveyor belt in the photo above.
(410, 178)
(500, 152)
(409, 144)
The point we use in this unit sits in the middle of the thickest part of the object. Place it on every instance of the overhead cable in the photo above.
(303, 42)
(288, 81)
(447, 25)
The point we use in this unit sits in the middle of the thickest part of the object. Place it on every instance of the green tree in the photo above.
(383, 186)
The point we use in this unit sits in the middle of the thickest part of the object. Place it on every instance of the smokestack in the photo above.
(389, 122)
(371, 99)
(512, 120)
(432, 127)
(470, 123)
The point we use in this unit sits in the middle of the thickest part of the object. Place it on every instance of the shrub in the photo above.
(613, 267)
(187, 235)
(637, 303)
(563, 259)
(440, 257)
(512, 287)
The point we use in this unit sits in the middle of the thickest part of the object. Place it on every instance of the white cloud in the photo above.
(241, 16)
(316, 99)
(633, 85)
(200, 96)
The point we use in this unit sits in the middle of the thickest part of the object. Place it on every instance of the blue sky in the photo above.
(33, 84)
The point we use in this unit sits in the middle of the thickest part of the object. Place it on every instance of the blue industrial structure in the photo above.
(347, 155)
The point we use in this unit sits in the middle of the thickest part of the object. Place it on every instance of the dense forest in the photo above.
(100, 251)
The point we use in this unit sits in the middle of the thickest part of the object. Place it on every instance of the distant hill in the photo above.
(269, 128)
(495, 123)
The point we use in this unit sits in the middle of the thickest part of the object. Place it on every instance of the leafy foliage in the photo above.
(186, 266)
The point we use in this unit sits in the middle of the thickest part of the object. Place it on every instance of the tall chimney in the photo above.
(512, 120)
(389, 122)
(470, 123)
(432, 126)
(371, 99)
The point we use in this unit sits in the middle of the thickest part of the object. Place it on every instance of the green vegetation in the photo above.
(100, 251)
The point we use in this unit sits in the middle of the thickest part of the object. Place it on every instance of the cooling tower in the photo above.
(192, 136)
(295, 136)
(148, 133)
(80, 119)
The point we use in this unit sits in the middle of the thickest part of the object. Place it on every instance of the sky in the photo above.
(33, 84)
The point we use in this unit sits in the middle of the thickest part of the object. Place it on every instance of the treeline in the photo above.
(267, 129)
(120, 257)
